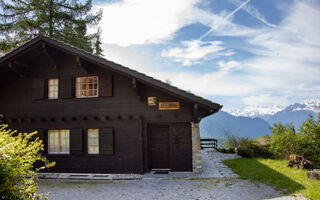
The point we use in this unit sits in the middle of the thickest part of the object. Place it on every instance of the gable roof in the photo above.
(214, 107)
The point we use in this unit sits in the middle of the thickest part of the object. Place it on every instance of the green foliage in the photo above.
(65, 20)
(231, 142)
(18, 153)
(245, 147)
(223, 150)
(309, 140)
(276, 173)
(283, 141)
(306, 142)
(251, 149)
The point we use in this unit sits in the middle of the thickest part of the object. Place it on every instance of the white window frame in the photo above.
(86, 90)
(53, 88)
(59, 142)
(88, 143)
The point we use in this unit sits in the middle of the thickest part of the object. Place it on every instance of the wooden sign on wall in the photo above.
(169, 105)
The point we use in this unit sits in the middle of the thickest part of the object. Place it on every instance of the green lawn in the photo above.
(277, 174)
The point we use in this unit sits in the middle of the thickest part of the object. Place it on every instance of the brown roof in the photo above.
(214, 107)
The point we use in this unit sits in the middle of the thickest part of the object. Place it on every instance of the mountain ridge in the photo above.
(253, 123)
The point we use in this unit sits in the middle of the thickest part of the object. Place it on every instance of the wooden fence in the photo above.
(209, 143)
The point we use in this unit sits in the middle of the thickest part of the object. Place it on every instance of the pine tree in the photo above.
(65, 20)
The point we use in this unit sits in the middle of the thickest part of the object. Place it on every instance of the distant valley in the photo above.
(255, 121)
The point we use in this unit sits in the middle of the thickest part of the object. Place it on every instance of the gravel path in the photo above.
(217, 182)
(180, 189)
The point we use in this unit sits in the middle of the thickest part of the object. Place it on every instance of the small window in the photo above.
(87, 86)
(93, 141)
(58, 141)
(53, 88)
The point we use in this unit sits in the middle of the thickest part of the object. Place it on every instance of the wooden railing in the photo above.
(209, 143)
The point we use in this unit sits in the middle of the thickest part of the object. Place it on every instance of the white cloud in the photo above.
(265, 100)
(135, 22)
(288, 57)
(130, 22)
(228, 66)
(215, 83)
(193, 51)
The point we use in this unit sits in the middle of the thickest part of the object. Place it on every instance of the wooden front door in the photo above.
(160, 147)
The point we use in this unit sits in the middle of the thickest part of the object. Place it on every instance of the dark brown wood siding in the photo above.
(37, 89)
(126, 111)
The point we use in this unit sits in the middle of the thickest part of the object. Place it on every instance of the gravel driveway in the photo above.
(217, 182)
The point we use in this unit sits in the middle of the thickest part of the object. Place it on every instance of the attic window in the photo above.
(87, 86)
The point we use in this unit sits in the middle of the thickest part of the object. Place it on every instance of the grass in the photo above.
(276, 173)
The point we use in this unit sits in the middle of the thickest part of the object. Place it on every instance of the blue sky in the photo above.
(233, 52)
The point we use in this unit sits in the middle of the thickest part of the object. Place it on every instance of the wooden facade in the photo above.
(133, 136)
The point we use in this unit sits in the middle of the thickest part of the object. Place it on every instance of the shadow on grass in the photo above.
(253, 169)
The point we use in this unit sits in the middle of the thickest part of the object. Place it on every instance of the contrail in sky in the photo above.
(223, 20)
(253, 12)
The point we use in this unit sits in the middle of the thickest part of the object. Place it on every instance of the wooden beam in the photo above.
(14, 69)
(134, 83)
(196, 118)
(10, 64)
(21, 64)
(79, 63)
(137, 86)
(43, 45)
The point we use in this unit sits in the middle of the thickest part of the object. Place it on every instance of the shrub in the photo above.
(309, 140)
(283, 141)
(306, 142)
(251, 148)
(223, 150)
(231, 142)
(245, 147)
(17, 157)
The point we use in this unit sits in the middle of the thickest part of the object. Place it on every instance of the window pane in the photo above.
(58, 141)
(53, 141)
(64, 138)
(93, 141)
(87, 86)
(53, 88)
(81, 86)
(91, 92)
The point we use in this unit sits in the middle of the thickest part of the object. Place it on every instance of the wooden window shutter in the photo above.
(43, 135)
(105, 85)
(66, 86)
(76, 141)
(106, 141)
(38, 89)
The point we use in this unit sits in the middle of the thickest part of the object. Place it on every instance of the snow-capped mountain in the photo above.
(256, 111)
(312, 105)
(262, 111)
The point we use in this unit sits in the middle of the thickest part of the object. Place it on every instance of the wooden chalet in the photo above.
(94, 115)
